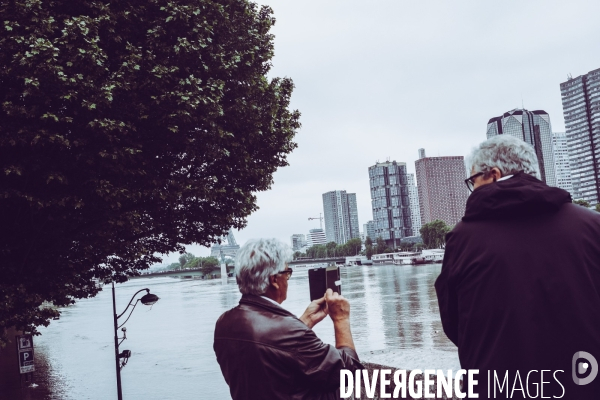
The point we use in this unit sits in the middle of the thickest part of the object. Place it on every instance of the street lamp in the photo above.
(148, 299)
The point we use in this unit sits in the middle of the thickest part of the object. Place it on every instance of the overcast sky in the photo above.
(378, 80)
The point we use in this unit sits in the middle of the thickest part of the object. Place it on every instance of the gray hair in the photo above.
(505, 152)
(257, 260)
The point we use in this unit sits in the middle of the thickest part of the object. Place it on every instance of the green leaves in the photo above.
(332, 249)
(582, 202)
(122, 137)
(434, 234)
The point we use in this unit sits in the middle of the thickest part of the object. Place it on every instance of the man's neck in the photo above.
(272, 294)
(270, 298)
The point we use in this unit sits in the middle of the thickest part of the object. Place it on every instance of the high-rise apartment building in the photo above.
(341, 216)
(441, 187)
(532, 127)
(562, 165)
(298, 241)
(315, 236)
(353, 211)
(413, 199)
(581, 108)
(389, 201)
(369, 230)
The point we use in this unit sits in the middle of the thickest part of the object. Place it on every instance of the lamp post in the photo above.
(147, 299)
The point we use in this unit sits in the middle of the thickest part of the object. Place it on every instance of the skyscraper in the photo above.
(581, 108)
(298, 241)
(389, 200)
(442, 190)
(341, 216)
(369, 230)
(353, 209)
(315, 236)
(532, 127)
(413, 199)
(562, 165)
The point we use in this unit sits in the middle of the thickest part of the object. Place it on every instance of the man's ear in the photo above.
(497, 173)
(273, 281)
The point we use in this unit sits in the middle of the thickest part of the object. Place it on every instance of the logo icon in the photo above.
(584, 363)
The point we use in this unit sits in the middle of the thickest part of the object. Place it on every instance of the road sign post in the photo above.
(25, 350)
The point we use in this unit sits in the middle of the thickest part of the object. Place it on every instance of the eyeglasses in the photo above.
(288, 272)
(470, 181)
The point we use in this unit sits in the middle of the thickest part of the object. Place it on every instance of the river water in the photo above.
(394, 314)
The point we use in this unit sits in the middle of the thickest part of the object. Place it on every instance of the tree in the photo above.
(353, 247)
(597, 208)
(194, 262)
(316, 251)
(128, 130)
(331, 249)
(434, 234)
(185, 258)
(368, 247)
(209, 264)
(381, 246)
(582, 202)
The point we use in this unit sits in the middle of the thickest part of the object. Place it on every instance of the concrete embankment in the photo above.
(390, 389)
(407, 360)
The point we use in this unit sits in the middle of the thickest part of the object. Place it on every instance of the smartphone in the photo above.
(322, 278)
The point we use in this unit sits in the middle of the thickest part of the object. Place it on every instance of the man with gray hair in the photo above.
(519, 291)
(264, 351)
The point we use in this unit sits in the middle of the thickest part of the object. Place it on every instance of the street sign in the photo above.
(25, 348)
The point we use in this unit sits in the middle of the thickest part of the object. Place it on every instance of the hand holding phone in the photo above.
(337, 306)
(320, 279)
(315, 312)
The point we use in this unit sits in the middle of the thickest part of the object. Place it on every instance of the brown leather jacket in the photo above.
(265, 352)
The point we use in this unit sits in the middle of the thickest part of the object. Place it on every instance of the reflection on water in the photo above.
(393, 307)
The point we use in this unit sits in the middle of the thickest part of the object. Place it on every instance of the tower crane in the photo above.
(320, 218)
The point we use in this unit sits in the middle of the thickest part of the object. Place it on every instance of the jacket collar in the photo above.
(519, 197)
(258, 301)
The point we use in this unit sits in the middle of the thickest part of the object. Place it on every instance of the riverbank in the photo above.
(394, 321)
(418, 382)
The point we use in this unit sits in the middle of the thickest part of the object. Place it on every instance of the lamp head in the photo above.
(149, 299)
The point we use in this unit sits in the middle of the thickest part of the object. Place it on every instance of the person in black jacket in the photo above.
(264, 351)
(519, 290)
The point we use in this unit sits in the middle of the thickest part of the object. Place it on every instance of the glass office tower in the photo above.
(534, 128)
(581, 108)
(341, 216)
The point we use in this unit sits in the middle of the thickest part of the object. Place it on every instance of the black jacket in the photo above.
(265, 352)
(520, 285)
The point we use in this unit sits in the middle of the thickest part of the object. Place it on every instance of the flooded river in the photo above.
(394, 313)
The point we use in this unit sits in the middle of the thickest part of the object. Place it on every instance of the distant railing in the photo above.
(317, 260)
(167, 272)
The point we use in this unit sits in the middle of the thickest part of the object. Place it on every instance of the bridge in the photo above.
(198, 271)
(312, 261)
(174, 272)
